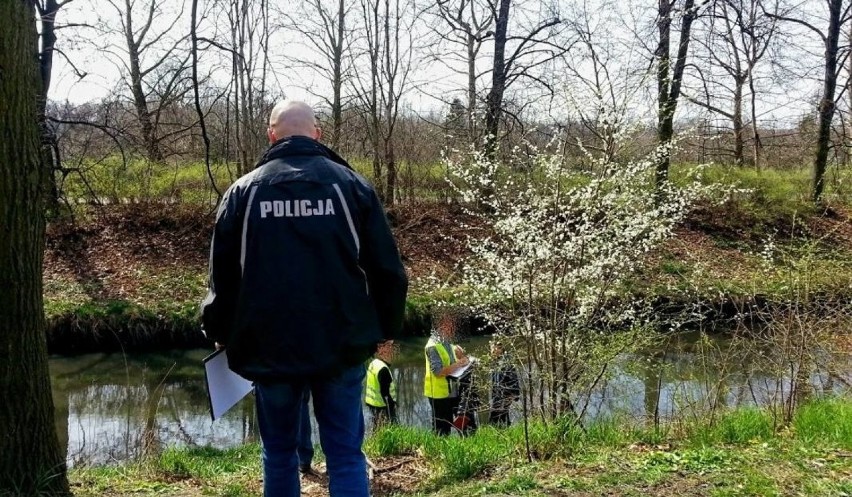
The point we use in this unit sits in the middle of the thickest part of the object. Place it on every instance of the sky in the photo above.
(93, 51)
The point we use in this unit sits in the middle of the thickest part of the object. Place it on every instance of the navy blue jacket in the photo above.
(305, 277)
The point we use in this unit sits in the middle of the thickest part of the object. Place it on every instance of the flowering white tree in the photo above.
(562, 247)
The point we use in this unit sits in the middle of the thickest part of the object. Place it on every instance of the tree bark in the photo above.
(337, 78)
(664, 110)
(668, 88)
(30, 459)
(757, 145)
(143, 113)
(494, 101)
(472, 48)
(847, 123)
(373, 99)
(47, 28)
(739, 130)
(826, 105)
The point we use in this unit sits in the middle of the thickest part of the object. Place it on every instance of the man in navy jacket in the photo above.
(305, 280)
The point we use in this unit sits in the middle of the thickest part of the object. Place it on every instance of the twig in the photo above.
(391, 467)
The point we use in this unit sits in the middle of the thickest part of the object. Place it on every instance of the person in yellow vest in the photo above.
(381, 389)
(443, 358)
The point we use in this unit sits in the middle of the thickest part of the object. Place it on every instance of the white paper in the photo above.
(224, 386)
(461, 371)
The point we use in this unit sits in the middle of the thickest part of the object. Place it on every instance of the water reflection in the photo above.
(111, 408)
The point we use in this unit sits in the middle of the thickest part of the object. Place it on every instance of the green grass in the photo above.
(740, 454)
(746, 425)
(827, 422)
(207, 463)
(186, 471)
(775, 192)
(395, 440)
(112, 179)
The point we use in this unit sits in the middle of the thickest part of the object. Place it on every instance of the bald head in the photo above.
(292, 118)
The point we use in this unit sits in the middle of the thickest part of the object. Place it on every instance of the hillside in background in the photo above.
(139, 271)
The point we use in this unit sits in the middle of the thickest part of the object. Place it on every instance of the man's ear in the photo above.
(317, 133)
(270, 133)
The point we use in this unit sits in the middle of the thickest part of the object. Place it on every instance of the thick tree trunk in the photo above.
(30, 459)
(757, 146)
(47, 29)
(494, 101)
(826, 105)
(664, 111)
(739, 130)
(143, 114)
(668, 88)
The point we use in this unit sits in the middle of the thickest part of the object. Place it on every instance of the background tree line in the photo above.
(760, 83)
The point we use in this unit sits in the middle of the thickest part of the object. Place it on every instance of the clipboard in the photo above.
(459, 373)
(224, 387)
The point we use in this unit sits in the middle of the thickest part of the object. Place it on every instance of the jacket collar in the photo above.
(299, 145)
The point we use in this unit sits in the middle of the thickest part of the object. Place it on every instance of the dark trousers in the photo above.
(443, 411)
(499, 417)
(306, 444)
(380, 416)
(500, 406)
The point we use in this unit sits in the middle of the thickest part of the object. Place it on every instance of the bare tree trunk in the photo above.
(322, 25)
(242, 88)
(30, 459)
(193, 28)
(668, 89)
(664, 110)
(139, 100)
(238, 119)
(466, 24)
(47, 34)
(471, 88)
(373, 104)
(739, 158)
(242, 52)
(143, 114)
(757, 146)
(826, 105)
(494, 100)
(375, 132)
(847, 135)
(391, 98)
(337, 79)
(390, 171)
(47, 31)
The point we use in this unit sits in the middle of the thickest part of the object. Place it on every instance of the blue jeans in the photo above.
(337, 407)
(306, 445)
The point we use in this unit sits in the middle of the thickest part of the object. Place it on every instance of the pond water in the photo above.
(111, 407)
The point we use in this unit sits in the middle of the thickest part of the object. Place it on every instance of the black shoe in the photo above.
(306, 469)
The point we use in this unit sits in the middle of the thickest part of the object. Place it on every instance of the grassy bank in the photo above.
(131, 276)
(741, 453)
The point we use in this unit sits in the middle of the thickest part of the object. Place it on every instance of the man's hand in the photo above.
(462, 361)
(460, 355)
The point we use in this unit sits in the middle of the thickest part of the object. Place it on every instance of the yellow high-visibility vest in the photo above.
(436, 387)
(374, 388)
